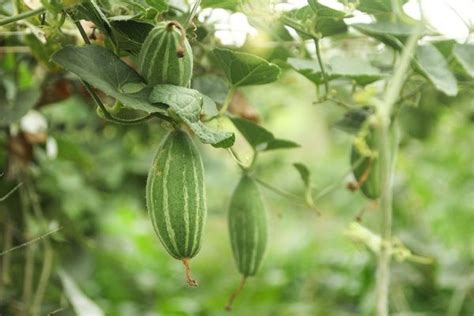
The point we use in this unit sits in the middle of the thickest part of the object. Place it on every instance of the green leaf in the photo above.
(381, 9)
(255, 135)
(357, 69)
(107, 72)
(278, 143)
(464, 54)
(130, 34)
(244, 69)
(260, 138)
(221, 4)
(323, 11)
(304, 172)
(394, 34)
(212, 86)
(159, 5)
(431, 63)
(89, 10)
(186, 104)
(308, 68)
(13, 110)
(319, 19)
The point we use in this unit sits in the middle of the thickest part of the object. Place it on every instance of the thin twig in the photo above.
(22, 16)
(30, 241)
(3, 198)
(192, 13)
(341, 179)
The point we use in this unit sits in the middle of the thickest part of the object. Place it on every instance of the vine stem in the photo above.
(22, 16)
(321, 65)
(387, 162)
(227, 101)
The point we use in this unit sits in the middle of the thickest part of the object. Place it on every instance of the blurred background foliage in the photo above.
(83, 179)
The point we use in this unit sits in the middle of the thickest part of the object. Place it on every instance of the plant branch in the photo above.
(291, 196)
(44, 279)
(387, 161)
(30, 241)
(334, 185)
(22, 16)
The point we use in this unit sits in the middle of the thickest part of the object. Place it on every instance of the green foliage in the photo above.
(111, 77)
(242, 69)
(259, 138)
(432, 64)
(186, 104)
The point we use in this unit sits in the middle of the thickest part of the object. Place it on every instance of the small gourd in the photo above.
(176, 197)
(247, 220)
(166, 56)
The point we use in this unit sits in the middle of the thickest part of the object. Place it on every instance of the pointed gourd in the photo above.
(166, 56)
(176, 197)
(247, 220)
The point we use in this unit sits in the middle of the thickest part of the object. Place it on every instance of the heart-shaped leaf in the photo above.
(107, 72)
(244, 69)
(187, 104)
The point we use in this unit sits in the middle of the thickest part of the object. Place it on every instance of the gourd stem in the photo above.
(187, 271)
(180, 48)
(22, 16)
(234, 294)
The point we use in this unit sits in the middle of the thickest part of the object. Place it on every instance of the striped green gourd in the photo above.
(176, 197)
(247, 221)
(166, 56)
(367, 171)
